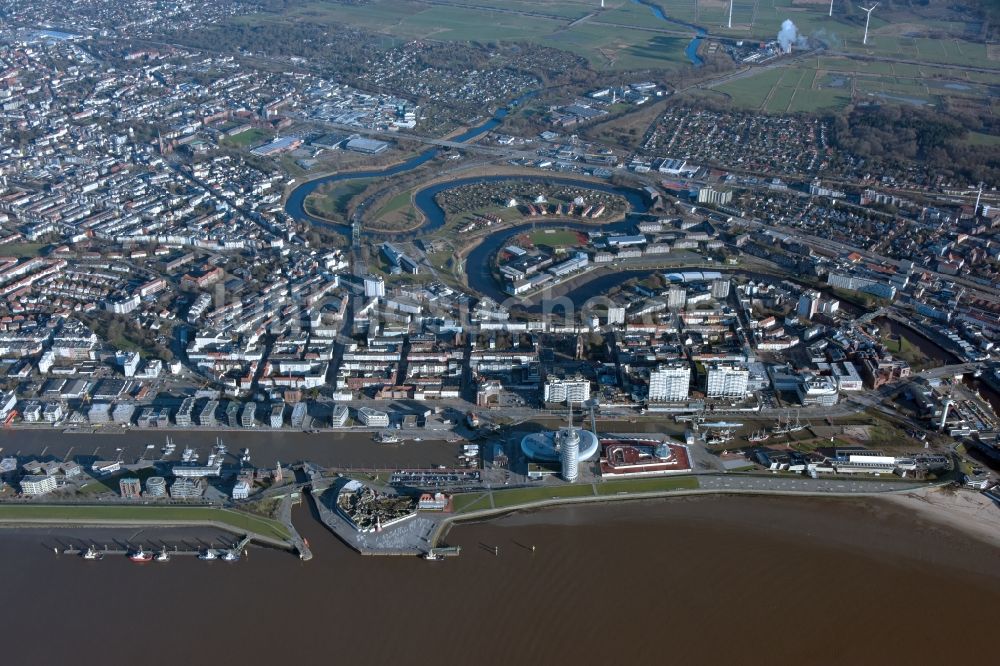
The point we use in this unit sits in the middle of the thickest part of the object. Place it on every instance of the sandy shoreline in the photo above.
(969, 512)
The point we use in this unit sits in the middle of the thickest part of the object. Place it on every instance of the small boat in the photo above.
(162, 556)
(230, 556)
(140, 556)
(432, 556)
(721, 437)
(92, 554)
(208, 554)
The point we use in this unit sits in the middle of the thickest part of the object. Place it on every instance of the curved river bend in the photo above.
(295, 204)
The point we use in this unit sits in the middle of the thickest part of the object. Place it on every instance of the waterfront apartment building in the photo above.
(339, 415)
(670, 382)
(233, 414)
(277, 415)
(156, 486)
(299, 412)
(616, 315)
(99, 412)
(38, 484)
(726, 380)
(373, 418)
(566, 390)
(130, 487)
(241, 490)
(206, 417)
(247, 419)
(187, 488)
(808, 304)
(123, 412)
(183, 416)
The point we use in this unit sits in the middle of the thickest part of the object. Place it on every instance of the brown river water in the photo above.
(748, 580)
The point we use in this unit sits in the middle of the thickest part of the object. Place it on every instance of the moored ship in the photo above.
(140, 556)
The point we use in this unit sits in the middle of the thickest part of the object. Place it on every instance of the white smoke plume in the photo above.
(788, 35)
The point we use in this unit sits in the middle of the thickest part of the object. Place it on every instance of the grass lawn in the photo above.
(110, 514)
(332, 203)
(397, 213)
(780, 99)
(396, 203)
(980, 139)
(470, 502)
(515, 496)
(555, 238)
(658, 484)
(21, 249)
(907, 351)
(251, 137)
(750, 92)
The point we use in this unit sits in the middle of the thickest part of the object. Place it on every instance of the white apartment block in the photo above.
(373, 418)
(669, 383)
(727, 381)
(567, 390)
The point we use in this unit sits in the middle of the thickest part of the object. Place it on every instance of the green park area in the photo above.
(21, 250)
(398, 212)
(905, 349)
(654, 485)
(109, 515)
(331, 201)
(250, 138)
(514, 497)
(518, 496)
(467, 502)
(555, 238)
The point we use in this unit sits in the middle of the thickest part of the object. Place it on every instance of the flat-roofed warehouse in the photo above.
(367, 146)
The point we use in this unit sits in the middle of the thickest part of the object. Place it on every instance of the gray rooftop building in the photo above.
(247, 419)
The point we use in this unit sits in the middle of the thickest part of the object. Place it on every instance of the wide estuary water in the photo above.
(692, 581)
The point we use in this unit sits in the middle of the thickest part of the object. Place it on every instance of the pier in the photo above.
(181, 551)
(445, 551)
(108, 552)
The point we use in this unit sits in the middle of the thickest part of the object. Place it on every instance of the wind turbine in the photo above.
(867, 20)
(731, 13)
(831, 7)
